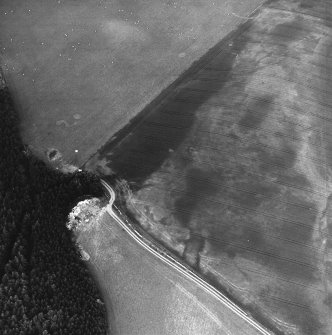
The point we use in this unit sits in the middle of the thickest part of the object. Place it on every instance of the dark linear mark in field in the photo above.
(281, 45)
(269, 275)
(306, 4)
(249, 209)
(328, 99)
(305, 98)
(328, 301)
(279, 181)
(286, 239)
(269, 76)
(198, 190)
(207, 182)
(262, 92)
(285, 158)
(280, 153)
(257, 114)
(306, 317)
(318, 132)
(288, 32)
(280, 41)
(298, 306)
(290, 267)
(160, 150)
(320, 15)
(198, 182)
(192, 250)
(253, 121)
(307, 74)
(133, 136)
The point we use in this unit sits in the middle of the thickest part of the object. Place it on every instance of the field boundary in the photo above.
(169, 92)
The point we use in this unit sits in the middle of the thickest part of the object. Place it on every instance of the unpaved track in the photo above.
(233, 171)
(175, 264)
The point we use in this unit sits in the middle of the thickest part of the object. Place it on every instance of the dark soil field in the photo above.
(233, 169)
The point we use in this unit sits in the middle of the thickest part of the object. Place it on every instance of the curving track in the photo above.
(175, 264)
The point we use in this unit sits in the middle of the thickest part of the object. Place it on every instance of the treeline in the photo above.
(45, 287)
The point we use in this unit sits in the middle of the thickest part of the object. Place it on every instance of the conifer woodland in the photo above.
(45, 287)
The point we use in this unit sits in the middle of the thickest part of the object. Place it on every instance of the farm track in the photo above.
(180, 267)
(269, 135)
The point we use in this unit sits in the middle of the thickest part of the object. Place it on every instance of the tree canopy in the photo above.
(45, 287)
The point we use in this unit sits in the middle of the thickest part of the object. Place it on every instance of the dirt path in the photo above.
(233, 170)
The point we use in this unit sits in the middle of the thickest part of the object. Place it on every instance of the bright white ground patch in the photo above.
(119, 31)
(84, 215)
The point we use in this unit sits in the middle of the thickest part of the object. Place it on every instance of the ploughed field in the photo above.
(233, 169)
(144, 296)
(80, 70)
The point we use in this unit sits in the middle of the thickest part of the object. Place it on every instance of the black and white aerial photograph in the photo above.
(165, 167)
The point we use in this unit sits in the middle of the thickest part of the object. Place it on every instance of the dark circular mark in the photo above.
(52, 154)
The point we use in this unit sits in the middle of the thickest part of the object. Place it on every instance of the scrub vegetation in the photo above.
(45, 288)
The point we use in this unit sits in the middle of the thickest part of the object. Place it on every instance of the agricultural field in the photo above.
(232, 170)
(144, 295)
(80, 70)
(45, 286)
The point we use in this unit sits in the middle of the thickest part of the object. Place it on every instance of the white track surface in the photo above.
(166, 258)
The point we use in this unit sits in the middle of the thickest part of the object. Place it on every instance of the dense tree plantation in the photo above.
(45, 288)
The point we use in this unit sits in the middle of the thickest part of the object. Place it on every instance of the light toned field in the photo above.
(234, 169)
(80, 70)
(146, 297)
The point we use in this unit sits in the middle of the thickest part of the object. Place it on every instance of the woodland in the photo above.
(45, 286)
